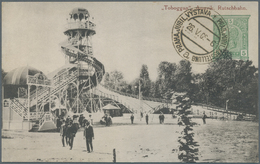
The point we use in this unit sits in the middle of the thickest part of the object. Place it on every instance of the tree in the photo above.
(188, 151)
(113, 79)
(166, 79)
(231, 80)
(107, 81)
(145, 81)
(154, 91)
(116, 78)
(183, 76)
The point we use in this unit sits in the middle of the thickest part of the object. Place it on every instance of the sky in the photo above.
(128, 35)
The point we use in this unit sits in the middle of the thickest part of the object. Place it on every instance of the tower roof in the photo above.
(18, 76)
(79, 11)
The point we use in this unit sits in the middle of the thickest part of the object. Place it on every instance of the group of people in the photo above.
(68, 131)
(83, 120)
(106, 119)
(161, 118)
(70, 127)
(146, 117)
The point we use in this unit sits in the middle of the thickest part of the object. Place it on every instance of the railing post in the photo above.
(114, 155)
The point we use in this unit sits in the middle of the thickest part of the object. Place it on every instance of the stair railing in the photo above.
(67, 78)
(47, 117)
(15, 107)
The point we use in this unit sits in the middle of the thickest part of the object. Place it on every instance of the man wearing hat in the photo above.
(89, 135)
(72, 130)
(63, 132)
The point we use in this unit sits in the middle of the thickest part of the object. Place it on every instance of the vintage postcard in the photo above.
(130, 81)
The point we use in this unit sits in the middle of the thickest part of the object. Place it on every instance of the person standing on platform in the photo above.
(89, 135)
(147, 118)
(132, 118)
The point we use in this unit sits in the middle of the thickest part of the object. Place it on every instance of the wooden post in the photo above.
(114, 155)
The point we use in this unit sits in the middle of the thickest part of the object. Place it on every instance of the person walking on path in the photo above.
(147, 118)
(132, 118)
(204, 118)
(63, 132)
(90, 120)
(81, 118)
(72, 130)
(89, 135)
(162, 118)
(141, 116)
(58, 123)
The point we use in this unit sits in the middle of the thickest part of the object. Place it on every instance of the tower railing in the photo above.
(78, 25)
(35, 81)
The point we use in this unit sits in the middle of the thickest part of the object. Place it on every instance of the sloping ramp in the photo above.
(133, 104)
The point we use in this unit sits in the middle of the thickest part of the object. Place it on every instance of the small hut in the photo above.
(112, 110)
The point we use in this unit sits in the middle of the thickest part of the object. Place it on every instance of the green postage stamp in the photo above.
(238, 36)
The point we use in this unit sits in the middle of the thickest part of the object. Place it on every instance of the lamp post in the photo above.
(227, 108)
(239, 93)
(140, 95)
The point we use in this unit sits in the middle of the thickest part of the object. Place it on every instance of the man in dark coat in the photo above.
(81, 118)
(162, 118)
(147, 118)
(58, 123)
(204, 118)
(63, 132)
(72, 130)
(132, 118)
(89, 135)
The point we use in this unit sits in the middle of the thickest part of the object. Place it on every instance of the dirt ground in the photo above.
(220, 141)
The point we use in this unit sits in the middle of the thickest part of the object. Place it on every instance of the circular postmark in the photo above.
(200, 34)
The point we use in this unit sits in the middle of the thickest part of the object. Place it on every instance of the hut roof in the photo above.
(109, 106)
